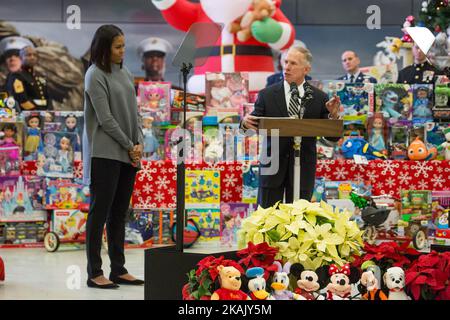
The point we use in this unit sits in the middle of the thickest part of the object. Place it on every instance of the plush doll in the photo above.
(257, 284)
(394, 280)
(369, 285)
(446, 145)
(337, 281)
(308, 282)
(280, 283)
(230, 285)
(229, 54)
(417, 150)
(261, 9)
(359, 146)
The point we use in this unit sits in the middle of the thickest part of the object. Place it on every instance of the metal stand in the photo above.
(181, 167)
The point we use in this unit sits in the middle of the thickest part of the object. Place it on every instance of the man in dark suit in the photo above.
(350, 63)
(279, 100)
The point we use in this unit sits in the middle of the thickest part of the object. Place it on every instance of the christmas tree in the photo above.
(435, 15)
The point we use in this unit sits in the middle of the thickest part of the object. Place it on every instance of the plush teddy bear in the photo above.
(261, 9)
(230, 285)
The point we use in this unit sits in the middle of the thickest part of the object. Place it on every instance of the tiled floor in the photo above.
(37, 274)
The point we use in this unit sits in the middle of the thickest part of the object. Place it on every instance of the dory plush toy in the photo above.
(418, 150)
(359, 146)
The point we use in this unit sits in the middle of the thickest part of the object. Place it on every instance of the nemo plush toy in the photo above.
(230, 285)
(418, 150)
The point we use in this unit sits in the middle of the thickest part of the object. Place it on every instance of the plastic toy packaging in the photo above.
(56, 155)
(423, 103)
(202, 189)
(394, 101)
(154, 99)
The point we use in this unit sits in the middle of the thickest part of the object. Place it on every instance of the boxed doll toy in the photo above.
(10, 161)
(226, 91)
(394, 101)
(154, 99)
(202, 189)
(34, 122)
(422, 103)
(21, 199)
(231, 216)
(22, 233)
(377, 131)
(65, 194)
(56, 155)
(440, 210)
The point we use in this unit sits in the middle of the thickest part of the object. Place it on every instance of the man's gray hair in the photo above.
(306, 53)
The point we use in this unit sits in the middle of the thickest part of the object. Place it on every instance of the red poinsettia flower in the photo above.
(260, 255)
(428, 277)
(390, 251)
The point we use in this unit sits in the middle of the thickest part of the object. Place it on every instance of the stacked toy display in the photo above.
(305, 251)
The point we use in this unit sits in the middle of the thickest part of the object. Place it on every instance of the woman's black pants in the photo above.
(111, 187)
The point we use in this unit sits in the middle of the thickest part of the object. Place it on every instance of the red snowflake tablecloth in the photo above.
(389, 177)
(156, 183)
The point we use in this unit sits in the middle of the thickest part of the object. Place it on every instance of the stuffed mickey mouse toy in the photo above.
(308, 282)
(338, 281)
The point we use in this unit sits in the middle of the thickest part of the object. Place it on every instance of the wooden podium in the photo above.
(298, 128)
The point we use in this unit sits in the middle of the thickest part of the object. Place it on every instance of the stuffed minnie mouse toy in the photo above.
(338, 281)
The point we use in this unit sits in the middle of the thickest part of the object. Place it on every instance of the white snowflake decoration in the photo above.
(388, 166)
(421, 167)
(230, 180)
(438, 181)
(404, 178)
(423, 185)
(340, 173)
(390, 182)
(159, 196)
(147, 188)
(227, 195)
(162, 182)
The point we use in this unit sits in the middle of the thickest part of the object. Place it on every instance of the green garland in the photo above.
(437, 15)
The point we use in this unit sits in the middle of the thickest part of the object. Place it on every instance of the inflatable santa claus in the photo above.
(253, 54)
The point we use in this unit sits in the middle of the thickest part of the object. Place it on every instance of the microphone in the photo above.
(294, 90)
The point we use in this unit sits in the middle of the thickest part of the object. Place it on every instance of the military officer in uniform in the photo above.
(10, 54)
(152, 52)
(351, 62)
(421, 72)
(29, 89)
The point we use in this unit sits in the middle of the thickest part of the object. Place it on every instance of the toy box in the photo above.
(357, 100)
(10, 161)
(162, 221)
(231, 216)
(69, 224)
(34, 125)
(441, 109)
(416, 205)
(154, 99)
(319, 193)
(21, 199)
(422, 103)
(22, 232)
(378, 132)
(56, 155)
(202, 189)
(226, 91)
(250, 179)
(385, 73)
(208, 221)
(399, 141)
(66, 194)
(440, 209)
(394, 101)
(139, 231)
(12, 135)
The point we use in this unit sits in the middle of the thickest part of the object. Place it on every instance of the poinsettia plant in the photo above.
(388, 254)
(260, 255)
(201, 283)
(313, 234)
(428, 277)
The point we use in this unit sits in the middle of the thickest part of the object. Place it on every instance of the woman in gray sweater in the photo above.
(112, 150)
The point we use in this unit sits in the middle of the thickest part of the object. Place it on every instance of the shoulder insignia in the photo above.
(18, 86)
